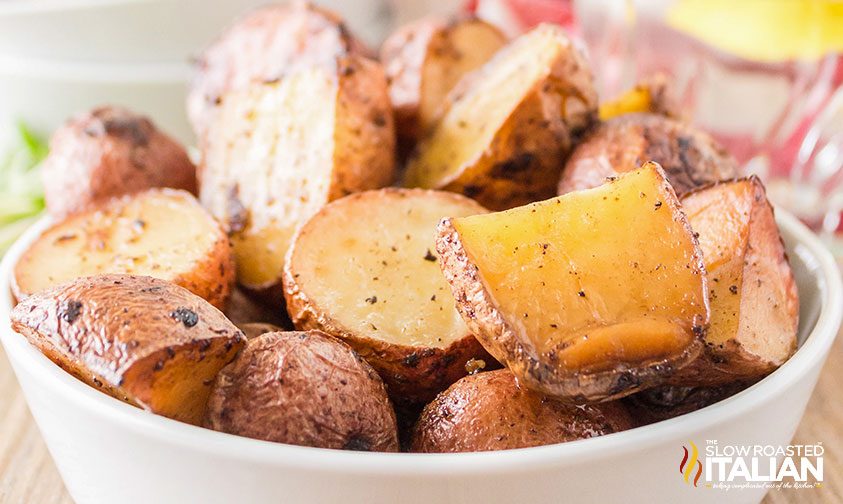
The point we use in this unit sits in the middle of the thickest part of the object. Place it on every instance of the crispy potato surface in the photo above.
(490, 411)
(303, 388)
(690, 157)
(282, 150)
(162, 233)
(363, 269)
(108, 152)
(588, 296)
(507, 125)
(145, 341)
(425, 59)
(753, 296)
(264, 45)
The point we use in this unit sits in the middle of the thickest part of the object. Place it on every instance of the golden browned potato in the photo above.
(243, 309)
(490, 411)
(303, 388)
(263, 45)
(752, 292)
(145, 341)
(425, 59)
(661, 403)
(506, 126)
(279, 151)
(363, 269)
(690, 157)
(588, 296)
(162, 233)
(108, 152)
(654, 94)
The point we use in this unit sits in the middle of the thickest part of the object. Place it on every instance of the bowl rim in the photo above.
(810, 354)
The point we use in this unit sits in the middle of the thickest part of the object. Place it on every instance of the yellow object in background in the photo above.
(763, 30)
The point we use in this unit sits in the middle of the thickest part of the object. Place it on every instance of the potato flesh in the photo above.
(470, 124)
(753, 300)
(381, 280)
(276, 140)
(594, 278)
(162, 234)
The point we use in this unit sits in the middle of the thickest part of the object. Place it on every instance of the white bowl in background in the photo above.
(114, 30)
(45, 93)
(108, 451)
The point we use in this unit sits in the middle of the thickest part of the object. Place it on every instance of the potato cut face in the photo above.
(161, 233)
(587, 283)
(368, 261)
(753, 297)
(458, 49)
(140, 339)
(521, 83)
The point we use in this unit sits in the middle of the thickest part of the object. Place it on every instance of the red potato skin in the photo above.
(689, 157)
(490, 411)
(108, 152)
(303, 388)
(664, 403)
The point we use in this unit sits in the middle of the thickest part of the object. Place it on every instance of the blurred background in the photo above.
(765, 77)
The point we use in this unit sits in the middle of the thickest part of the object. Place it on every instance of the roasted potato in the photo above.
(690, 157)
(108, 152)
(252, 330)
(279, 151)
(507, 125)
(489, 411)
(242, 309)
(145, 341)
(654, 94)
(588, 296)
(303, 388)
(363, 269)
(662, 403)
(264, 45)
(162, 233)
(425, 59)
(752, 292)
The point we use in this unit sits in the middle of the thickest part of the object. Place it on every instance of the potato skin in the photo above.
(143, 340)
(689, 157)
(108, 152)
(663, 403)
(263, 45)
(303, 388)
(242, 310)
(490, 411)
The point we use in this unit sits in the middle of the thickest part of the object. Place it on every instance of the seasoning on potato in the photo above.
(690, 157)
(752, 293)
(507, 126)
(264, 45)
(303, 388)
(108, 152)
(281, 150)
(364, 269)
(425, 59)
(490, 411)
(588, 296)
(145, 341)
(162, 233)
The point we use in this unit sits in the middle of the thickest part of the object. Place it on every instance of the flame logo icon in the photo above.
(690, 462)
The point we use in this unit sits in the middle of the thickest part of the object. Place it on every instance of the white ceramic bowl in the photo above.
(107, 451)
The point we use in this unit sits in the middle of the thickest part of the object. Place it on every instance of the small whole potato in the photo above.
(303, 388)
(663, 403)
(108, 152)
(489, 411)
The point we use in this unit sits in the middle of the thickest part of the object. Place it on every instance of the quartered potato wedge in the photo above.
(163, 233)
(752, 292)
(588, 296)
(364, 269)
(507, 126)
(145, 341)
